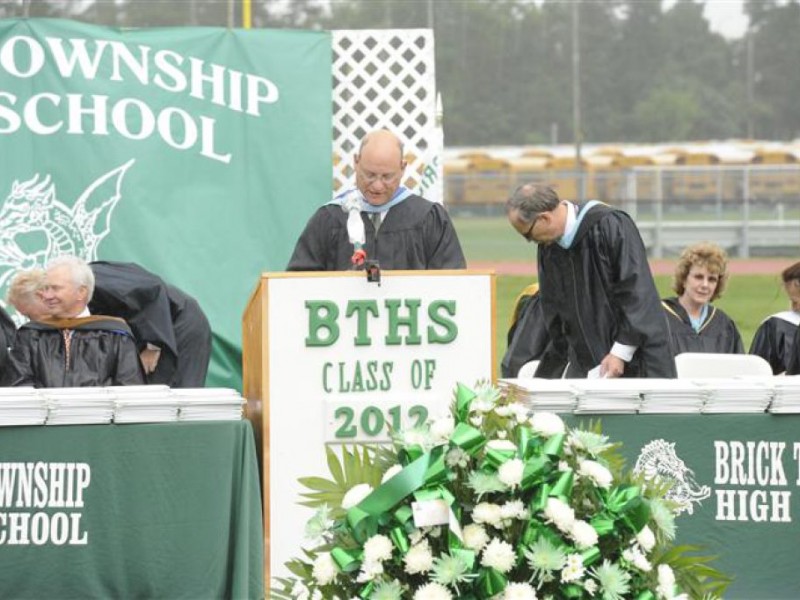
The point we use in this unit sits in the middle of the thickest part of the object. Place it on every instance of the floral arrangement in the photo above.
(492, 501)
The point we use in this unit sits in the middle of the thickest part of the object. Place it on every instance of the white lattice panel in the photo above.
(386, 78)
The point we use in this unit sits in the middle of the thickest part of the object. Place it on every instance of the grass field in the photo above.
(747, 300)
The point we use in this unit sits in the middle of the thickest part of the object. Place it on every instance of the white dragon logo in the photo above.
(35, 226)
(659, 461)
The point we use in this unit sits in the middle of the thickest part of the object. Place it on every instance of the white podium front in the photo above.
(332, 358)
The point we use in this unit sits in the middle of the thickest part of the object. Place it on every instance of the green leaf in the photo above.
(320, 484)
(334, 465)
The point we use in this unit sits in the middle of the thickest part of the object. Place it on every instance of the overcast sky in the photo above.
(726, 16)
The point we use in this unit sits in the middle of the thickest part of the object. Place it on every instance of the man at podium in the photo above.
(378, 220)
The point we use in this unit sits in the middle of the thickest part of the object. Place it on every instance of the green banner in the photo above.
(168, 510)
(737, 479)
(198, 153)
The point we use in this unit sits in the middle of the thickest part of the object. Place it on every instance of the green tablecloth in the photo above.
(750, 515)
(130, 511)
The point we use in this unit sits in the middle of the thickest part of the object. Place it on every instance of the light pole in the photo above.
(576, 97)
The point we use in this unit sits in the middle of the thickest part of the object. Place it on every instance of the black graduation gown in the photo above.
(527, 336)
(718, 333)
(7, 332)
(601, 291)
(793, 365)
(102, 352)
(158, 314)
(415, 234)
(774, 339)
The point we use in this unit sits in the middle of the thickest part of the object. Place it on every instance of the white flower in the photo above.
(319, 526)
(666, 582)
(418, 559)
(597, 473)
(583, 534)
(514, 509)
(547, 423)
(573, 569)
(355, 495)
(391, 472)
(590, 585)
(519, 591)
(369, 571)
(325, 569)
(510, 472)
(442, 429)
(503, 411)
(560, 514)
(417, 436)
(476, 420)
(416, 536)
(646, 539)
(519, 411)
(486, 398)
(634, 556)
(475, 537)
(378, 548)
(433, 591)
(299, 591)
(488, 513)
(499, 555)
(456, 457)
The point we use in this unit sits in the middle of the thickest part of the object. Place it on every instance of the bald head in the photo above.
(379, 166)
(382, 137)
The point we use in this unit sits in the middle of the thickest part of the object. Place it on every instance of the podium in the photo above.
(333, 358)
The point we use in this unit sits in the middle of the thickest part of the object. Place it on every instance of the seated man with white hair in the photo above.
(72, 348)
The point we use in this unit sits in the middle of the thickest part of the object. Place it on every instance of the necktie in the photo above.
(67, 334)
(376, 220)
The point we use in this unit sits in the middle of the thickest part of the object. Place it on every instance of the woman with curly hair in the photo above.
(695, 324)
(774, 338)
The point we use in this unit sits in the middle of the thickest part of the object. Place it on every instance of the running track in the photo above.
(740, 266)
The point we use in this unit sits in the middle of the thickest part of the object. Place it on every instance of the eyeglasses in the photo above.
(384, 178)
(527, 234)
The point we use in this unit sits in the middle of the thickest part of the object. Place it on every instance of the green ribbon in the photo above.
(495, 457)
(467, 556)
(603, 525)
(400, 538)
(562, 487)
(628, 506)
(464, 398)
(535, 471)
(346, 560)
(490, 583)
(590, 556)
(468, 438)
(554, 445)
(364, 517)
(571, 591)
(367, 590)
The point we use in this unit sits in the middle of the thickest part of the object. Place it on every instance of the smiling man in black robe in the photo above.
(73, 348)
(401, 230)
(599, 300)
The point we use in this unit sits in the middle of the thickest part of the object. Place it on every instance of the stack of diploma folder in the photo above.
(22, 406)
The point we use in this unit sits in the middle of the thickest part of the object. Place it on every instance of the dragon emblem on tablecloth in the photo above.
(658, 460)
(35, 225)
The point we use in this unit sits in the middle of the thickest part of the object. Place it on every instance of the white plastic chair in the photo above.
(703, 365)
(528, 369)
